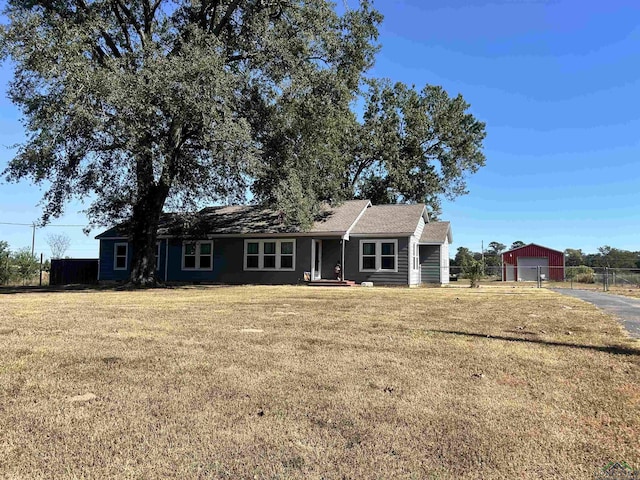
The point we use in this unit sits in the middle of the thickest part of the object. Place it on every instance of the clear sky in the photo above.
(556, 82)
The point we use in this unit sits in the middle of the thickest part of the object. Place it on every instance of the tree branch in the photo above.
(227, 16)
(123, 25)
(364, 164)
(132, 19)
(107, 38)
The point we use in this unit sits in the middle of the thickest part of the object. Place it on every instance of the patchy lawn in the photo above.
(293, 382)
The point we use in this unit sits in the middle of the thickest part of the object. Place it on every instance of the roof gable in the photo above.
(436, 232)
(389, 219)
(529, 245)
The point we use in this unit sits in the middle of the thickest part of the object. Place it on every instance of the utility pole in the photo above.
(482, 250)
(33, 240)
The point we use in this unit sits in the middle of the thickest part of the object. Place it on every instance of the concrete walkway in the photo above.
(626, 309)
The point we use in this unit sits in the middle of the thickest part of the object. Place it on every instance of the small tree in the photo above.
(473, 271)
(25, 265)
(58, 243)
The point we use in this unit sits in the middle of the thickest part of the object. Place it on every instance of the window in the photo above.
(378, 255)
(157, 256)
(120, 254)
(252, 255)
(368, 256)
(269, 254)
(197, 255)
(416, 256)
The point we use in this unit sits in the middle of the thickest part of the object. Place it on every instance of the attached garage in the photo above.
(522, 264)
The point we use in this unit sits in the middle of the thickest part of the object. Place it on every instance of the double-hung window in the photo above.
(157, 256)
(273, 254)
(197, 255)
(120, 253)
(378, 255)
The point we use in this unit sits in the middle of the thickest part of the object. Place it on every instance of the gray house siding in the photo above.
(430, 263)
(228, 264)
(352, 263)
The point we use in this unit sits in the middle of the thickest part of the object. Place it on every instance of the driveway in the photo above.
(626, 309)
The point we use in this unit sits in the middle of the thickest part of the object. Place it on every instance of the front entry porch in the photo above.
(326, 254)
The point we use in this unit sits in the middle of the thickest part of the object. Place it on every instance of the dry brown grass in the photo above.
(339, 383)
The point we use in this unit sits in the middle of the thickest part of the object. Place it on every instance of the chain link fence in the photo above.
(582, 277)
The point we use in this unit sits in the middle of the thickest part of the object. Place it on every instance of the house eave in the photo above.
(382, 235)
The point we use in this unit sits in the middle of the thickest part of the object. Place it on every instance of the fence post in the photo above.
(539, 282)
(40, 269)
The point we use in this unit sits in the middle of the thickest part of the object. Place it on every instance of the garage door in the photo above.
(510, 271)
(528, 268)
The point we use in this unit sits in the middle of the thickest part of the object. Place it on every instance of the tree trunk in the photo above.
(144, 228)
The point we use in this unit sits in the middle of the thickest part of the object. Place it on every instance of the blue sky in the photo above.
(555, 81)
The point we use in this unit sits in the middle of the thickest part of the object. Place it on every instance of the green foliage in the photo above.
(580, 274)
(573, 257)
(24, 265)
(614, 258)
(517, 244)
(463, 257)
(140, 106)
(414, 146)
(5, 260)
(473, 271)
(496, 248)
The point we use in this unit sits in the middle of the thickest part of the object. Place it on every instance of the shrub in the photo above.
(580, 274)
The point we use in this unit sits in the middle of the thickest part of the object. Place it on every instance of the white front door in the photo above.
(316, 259)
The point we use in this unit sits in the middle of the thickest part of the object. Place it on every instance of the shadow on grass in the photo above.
(12, 290)
(614, 349)
(120, 287)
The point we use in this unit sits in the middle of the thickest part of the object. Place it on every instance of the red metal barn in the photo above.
(522, 264)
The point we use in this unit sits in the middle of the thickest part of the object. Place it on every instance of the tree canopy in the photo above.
(142, 106)
(517, 244)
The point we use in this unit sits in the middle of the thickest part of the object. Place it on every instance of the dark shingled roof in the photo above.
(383, 219)
(435, 232)
(250, 219)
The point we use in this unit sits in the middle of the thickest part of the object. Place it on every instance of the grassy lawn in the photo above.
(298, 382)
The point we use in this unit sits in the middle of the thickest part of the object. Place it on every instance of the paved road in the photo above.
(626, 309)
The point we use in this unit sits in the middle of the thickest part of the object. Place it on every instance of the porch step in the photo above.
(332, 283)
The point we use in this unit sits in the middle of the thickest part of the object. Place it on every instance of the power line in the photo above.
(32, 224)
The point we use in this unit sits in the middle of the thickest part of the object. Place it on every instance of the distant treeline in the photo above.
(605, 257)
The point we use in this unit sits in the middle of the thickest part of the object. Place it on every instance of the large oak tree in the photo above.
(150, 105)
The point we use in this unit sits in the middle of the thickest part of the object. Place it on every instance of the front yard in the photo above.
(298, 382)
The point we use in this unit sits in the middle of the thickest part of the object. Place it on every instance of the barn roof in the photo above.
(530, 245)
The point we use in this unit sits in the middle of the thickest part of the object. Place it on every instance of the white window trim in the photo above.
(158, 256)
(416, 256)
(261, 242)
(115, 256)
(197, 267)
(379, 242)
